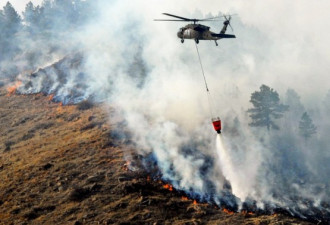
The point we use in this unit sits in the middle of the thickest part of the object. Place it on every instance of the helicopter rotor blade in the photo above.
(184, 19)
(170, 20)
(229, 24)
(229, 15)
(228, 20)
(179, 17)
(231, 27)
(188, 19)
(211, 18)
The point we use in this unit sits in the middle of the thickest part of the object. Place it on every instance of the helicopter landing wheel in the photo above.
(182, 40)
(197, 41)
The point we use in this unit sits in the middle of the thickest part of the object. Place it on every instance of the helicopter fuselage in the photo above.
(197, 35)
(197, 32)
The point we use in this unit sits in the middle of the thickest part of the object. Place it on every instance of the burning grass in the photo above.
(12, 88)
(65, 174)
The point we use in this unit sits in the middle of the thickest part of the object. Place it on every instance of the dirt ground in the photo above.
(63, 165)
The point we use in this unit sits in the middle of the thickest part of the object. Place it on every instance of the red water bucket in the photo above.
(217, 124)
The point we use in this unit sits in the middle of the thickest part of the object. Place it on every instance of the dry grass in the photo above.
(62, 165)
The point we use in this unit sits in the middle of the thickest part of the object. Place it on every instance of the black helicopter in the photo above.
(198, 31)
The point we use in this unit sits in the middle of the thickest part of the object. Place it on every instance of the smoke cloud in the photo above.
(123, 57)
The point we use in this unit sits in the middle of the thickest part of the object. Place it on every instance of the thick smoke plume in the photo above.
(121, 56)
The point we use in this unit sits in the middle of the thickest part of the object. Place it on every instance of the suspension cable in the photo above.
(200, 62)
(207, 88)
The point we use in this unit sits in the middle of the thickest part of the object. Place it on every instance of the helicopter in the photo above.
(198, 31)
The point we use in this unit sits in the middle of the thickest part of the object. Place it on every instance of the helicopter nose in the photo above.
(179, 34)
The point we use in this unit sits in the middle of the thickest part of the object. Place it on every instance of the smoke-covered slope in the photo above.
(113, 52)
(69, 165)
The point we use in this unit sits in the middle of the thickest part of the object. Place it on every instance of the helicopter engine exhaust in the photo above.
(217, 124)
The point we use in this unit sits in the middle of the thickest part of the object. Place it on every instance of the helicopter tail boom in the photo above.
(224, 35)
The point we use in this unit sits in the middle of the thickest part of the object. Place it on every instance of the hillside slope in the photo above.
(63, 165)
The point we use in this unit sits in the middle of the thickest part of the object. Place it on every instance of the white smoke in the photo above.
(240, 167)
(166, 109)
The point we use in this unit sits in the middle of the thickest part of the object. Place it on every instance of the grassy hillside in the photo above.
(63, 165)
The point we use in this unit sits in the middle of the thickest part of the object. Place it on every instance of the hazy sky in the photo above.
(297, 31)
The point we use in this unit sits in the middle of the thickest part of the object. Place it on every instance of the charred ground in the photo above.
(66, 165)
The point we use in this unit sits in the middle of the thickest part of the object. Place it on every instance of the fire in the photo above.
(50, 97)
(168, 187)
(227, 211)
(12, 89)
(184, 198)
(195, 202)
(148, 178)
(247, 213)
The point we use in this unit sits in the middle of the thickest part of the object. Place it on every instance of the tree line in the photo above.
(44, 21)
(267, 109)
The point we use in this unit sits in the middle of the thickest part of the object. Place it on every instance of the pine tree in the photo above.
(2, 36)
(11, 24)
(306, 126)
(292, 99)
(11, 18)
(29, 14)
(266, 109)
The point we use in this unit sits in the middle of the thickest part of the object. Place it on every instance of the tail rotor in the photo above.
(227, 22)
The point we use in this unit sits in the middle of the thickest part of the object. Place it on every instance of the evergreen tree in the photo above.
(234, 130)
(2, 35)
(267, 108)
(2, 18)
(292, 99)
(30, 15)
(11, 24)
(46, 15)
(33, 18)
(306, 126)
(11, 18)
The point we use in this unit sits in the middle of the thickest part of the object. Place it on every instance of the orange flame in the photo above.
(168, 187)
(12, 89)
(195, 202)
(228, 211)
(184, 198)
(50, 97)
(148, 178)
(247, 213)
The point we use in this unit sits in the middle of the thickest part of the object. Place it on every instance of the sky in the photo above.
(296, 31)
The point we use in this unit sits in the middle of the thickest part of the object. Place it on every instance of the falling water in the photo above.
(232, 172)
